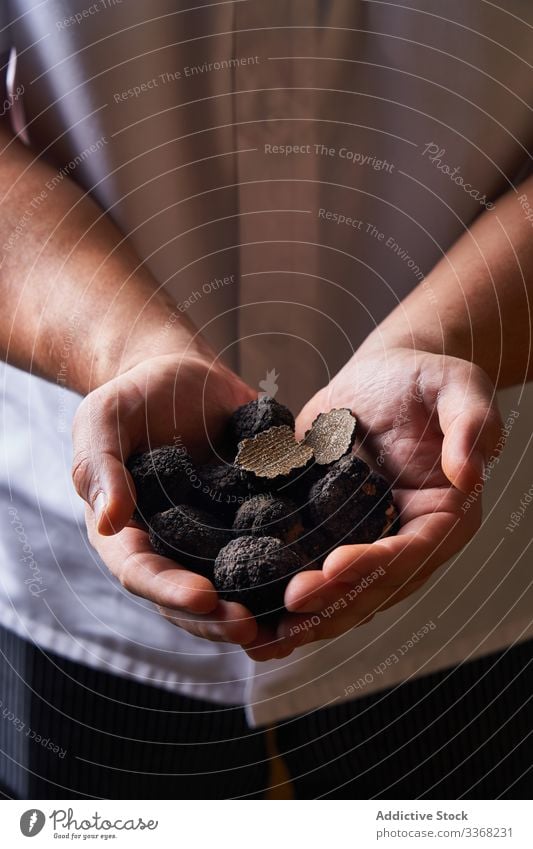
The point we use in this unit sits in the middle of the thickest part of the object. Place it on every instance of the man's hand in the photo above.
(428, 423)
(147, 406)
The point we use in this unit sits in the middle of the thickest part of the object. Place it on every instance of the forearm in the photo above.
(475, 304)
(69, 281)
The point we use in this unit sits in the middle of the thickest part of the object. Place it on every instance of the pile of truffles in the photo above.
(276, 509)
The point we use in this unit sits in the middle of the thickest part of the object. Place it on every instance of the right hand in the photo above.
(145, 407)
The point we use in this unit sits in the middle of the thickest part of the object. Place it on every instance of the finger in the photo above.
(272, 644)
(425, 541)
(333, 620)
(266, 645)
(229, 622)
(310, 590)
(471, 424)
(101, 442)
(321, 402)
(331, 597)
(298, 629)
(130, 557)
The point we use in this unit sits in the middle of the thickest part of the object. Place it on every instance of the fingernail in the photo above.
(218, 634)
(282, 653)
(303, 639)
(354, 576)
(309, 605)
(216, 637)
(223, 635)
(477, 460)
(348, 571)
(99, 506)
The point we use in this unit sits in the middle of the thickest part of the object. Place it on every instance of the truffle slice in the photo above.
(189, 536)
(161, 478)
(224, 488)
(351, 503)
(264, 515)
(255, 572)
(256, 416)
(273, 453)
(331, 435)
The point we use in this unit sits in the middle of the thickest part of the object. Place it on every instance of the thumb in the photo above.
(319, 403)
(101, 445)
(471, 423)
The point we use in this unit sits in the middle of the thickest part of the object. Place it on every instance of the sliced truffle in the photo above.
(274, 453)
(255, 572)
(265, 515)
(161, 478)
(256, 416)
(351, 503)
(223, 488)
(189, 536)
(331, 435)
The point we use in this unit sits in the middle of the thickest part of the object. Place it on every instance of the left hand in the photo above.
(429, 423)
(150, 404)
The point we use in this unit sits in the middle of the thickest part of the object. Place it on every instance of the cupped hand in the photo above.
(429, 423)
(154, 403)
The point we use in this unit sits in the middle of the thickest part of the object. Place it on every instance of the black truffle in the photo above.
(299, 485)
(264, 515)
(161, 478)
(351, 503)
(255, 572)
(223, 489)
(331, 435)
(256, 416)
(315, 545)
(189, 536)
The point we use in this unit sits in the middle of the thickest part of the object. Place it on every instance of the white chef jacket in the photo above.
(297, 149)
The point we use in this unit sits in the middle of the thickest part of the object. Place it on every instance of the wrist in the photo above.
(421, 332)
(159, 331)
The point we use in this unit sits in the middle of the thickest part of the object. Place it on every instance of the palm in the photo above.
(396, 403)
(423, 420)
(155, 403)
(169, 399)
